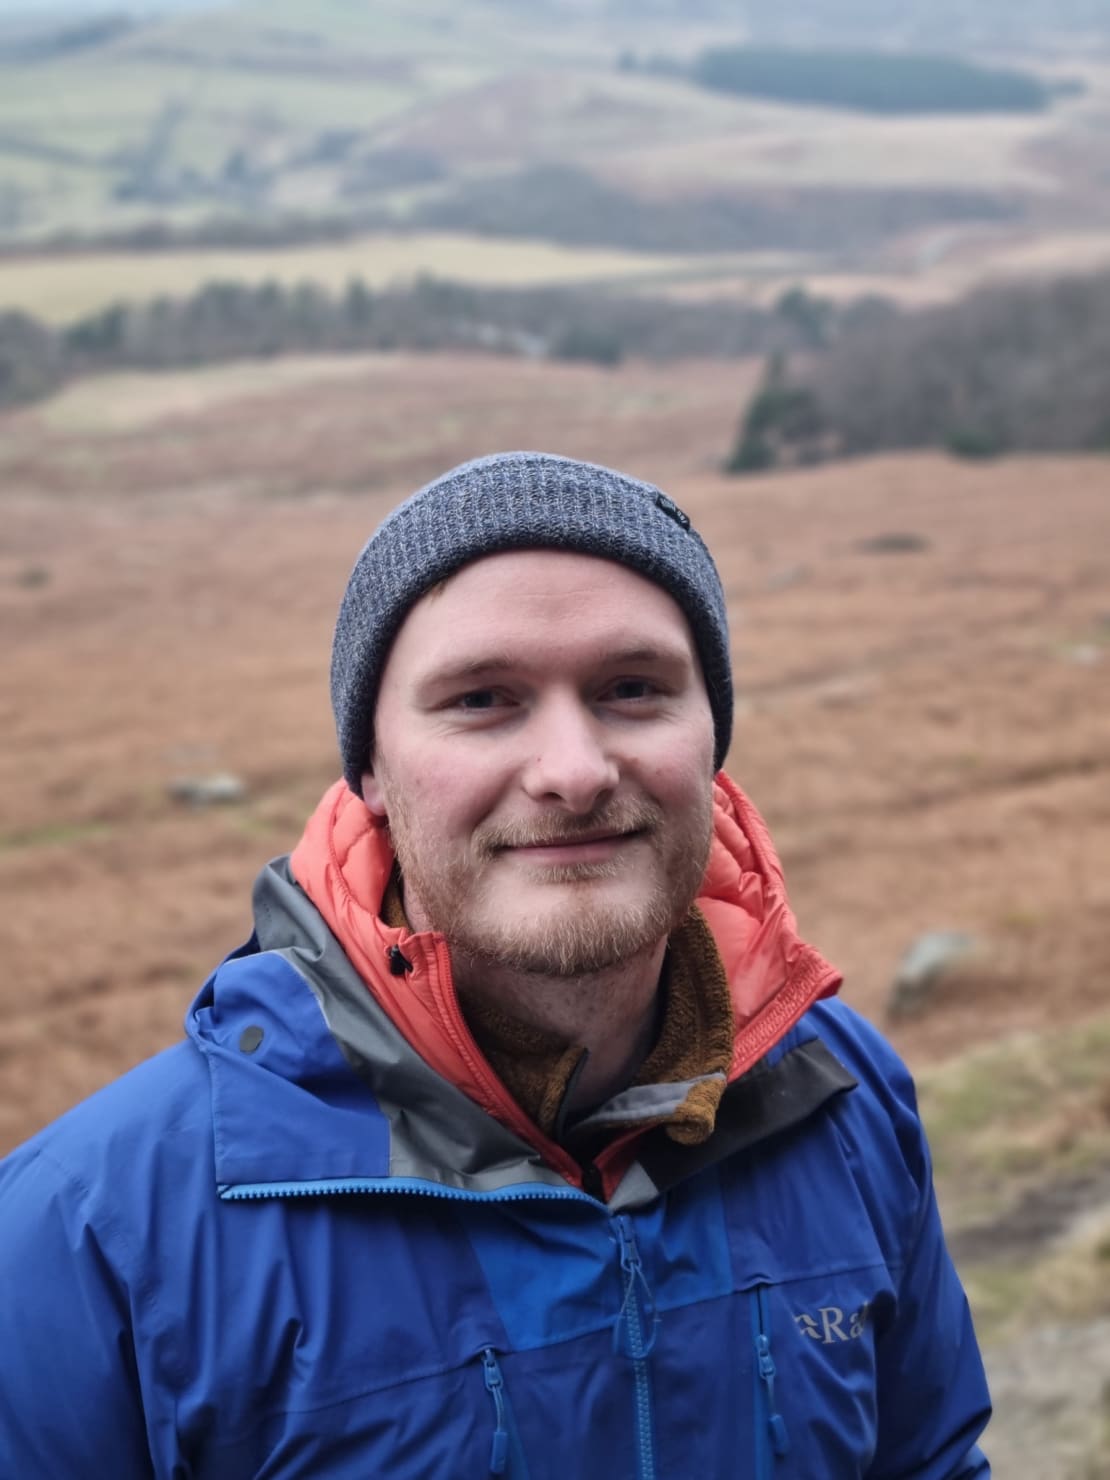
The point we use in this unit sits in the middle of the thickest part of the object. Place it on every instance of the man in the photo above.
(521, 1138)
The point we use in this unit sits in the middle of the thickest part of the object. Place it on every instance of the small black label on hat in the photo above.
(672, 511)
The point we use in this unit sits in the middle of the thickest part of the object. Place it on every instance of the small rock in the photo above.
(922, 966)
(220, 790)
(845, 691)
(895, 542)
(1083, 654)
(789, 575)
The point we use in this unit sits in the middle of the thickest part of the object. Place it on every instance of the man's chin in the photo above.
(538, 880)
(569, 940)
(551, 959)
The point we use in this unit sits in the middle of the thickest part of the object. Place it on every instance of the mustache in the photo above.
(614, 818)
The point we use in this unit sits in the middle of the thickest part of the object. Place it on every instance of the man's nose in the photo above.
(571, 760)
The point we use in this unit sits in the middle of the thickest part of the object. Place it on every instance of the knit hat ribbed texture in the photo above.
(517, 501)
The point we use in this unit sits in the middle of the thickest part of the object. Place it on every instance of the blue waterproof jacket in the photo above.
(288, 1248)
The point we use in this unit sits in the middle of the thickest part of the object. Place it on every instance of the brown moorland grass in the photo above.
(926, 733)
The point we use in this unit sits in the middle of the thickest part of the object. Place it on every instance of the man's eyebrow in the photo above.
(470, 669)
(644, 654)
(467, 669)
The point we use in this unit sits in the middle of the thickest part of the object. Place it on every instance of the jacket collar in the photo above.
(344, 863)
(315, 1091)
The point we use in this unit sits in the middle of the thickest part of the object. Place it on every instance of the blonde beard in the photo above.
(579, 937)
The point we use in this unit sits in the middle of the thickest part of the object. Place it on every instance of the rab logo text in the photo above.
(831, 1324)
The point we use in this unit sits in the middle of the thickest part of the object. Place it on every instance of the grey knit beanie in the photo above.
(517, 501)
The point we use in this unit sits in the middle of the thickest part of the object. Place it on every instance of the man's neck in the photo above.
(612, 1013)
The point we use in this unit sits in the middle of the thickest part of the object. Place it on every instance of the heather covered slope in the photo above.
(925, 728)
(923, 721)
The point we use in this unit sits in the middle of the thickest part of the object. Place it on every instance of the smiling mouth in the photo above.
(559, 839)
(596, 847)
(575, 840)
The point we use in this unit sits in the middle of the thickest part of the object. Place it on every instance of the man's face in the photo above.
(544, 759)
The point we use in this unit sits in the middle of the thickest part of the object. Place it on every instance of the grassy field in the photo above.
(949, 265)
(998, 1114)
(1020, 1132)
(106, 405)
(769, 146)
(61, 288)
(96, 106)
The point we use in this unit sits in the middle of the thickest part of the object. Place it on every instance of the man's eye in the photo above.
(477, 699)
(632, 688)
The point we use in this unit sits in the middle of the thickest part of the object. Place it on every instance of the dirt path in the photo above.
(1050, 1380)
(1051, 1390)
(1047, 1213)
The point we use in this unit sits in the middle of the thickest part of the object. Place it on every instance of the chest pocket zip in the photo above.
(506, 1456)
(771, 1437)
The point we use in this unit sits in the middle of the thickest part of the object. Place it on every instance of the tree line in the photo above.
(1024, 367)
(869, 81)
(1019, 368)
(233, 320)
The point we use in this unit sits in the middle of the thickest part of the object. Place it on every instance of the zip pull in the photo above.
(399, 963)
(495, 1386)
(780, 1439)
(629, 1334)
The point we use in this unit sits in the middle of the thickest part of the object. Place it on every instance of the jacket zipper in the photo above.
(629, 1338)
(771, 1437)
(495, 1386)
(506, 1456)
(405, 1186)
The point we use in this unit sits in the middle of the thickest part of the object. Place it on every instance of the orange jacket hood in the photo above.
(344, 862)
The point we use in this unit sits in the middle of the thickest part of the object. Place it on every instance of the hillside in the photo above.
(524, 123)
(925, 730)
(1021, 24)
(267, 265)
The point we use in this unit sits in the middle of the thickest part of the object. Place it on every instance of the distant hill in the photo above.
(950, 25)
(557, 203)
(954, 25)
(31, 13)
(516, 120)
